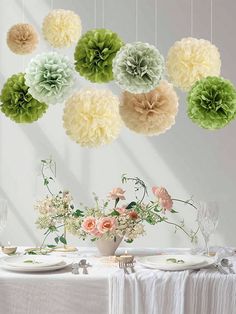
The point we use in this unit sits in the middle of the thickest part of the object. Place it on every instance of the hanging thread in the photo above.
(95, 13)
(211, 20)
(136, 20)
(103, 14)
(156, 8)
(191, 16)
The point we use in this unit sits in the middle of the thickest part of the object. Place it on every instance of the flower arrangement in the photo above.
(94, 54)
(110, 219)
(138, 67)
(55, 209)
(212, 103)
(62, 28)
(17, 103)
(22, 38)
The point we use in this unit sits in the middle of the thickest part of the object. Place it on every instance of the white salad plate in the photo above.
(175, 262)
(33, 263)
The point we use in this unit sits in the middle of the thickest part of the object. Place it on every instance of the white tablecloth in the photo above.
(107, 291)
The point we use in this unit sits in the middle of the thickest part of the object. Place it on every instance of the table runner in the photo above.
(186, 292)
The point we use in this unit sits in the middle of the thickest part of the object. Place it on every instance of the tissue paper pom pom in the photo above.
(152, 113)
(50, 77)
(94, 54)
(91, 117)
(22, 39)
(212, 103)
(17, 103)
(190, 60)
(138, 67)
(62, 28)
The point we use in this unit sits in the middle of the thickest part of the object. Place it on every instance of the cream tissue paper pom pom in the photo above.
(61, 28)
(152, 113)
(22, 39)
(190, 60)
(91, 117)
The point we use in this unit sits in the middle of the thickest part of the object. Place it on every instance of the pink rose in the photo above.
(96, 233)
(121, 210)
(106, 224)
(166, 203)
(89, 224)
(160, 192)
(117, 193)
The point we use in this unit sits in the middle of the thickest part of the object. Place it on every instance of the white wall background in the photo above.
(187, 160)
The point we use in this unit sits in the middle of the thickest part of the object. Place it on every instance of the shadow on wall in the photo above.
(19, 218)
(204, 162)
(44, 147)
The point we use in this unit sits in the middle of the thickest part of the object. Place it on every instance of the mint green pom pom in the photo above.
(138, 67)
(17, 103)
(94, 54)
(50, 77)
(212, 102)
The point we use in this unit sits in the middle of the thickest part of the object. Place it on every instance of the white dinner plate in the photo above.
(184, 262)
(31, 261)
(62, 265)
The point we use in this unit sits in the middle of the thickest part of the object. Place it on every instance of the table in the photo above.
(106, 290)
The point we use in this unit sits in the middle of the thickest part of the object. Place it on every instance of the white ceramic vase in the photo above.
(108, 247)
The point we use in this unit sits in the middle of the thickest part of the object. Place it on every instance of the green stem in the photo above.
(185, 202)
(178, 226)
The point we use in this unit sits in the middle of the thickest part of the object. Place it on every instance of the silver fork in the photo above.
(131, 266)
(123, 266)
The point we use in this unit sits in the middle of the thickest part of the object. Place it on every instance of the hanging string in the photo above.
(23, 11)
(103, 14)
(23, 21)
(136, 20)
(191, 16)
(95, 13)
(156, 8)
(211, 20)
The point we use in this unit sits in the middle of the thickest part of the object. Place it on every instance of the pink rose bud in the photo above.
(117, 193)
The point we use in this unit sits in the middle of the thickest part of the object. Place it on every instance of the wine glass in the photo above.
(207, 218)
(3, 214)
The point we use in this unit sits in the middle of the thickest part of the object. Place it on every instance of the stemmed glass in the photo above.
(207, 218)
(3, 214)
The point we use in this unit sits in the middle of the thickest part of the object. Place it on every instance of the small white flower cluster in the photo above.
(53, 209)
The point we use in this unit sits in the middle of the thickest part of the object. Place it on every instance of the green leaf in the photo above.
(63, 240)
(131, 205)
(93, 239)
(46, 182)
(115, 213)
(129, 241)
(52, 228)
(78, 213)
(51, 246)
(56, 240)
(173, 211)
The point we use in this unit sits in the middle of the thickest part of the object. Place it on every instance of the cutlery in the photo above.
(226, 263)
(123, 266)
(84, 265)
(75, 269)
(220, 269)
(131, 266)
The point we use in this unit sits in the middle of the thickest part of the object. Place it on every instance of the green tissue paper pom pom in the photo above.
(212, 102)
(138, 67)
(94, 54)
(17, 103)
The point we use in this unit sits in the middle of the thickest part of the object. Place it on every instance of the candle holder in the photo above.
(9, 250)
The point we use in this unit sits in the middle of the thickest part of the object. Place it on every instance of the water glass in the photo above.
(207, 218)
